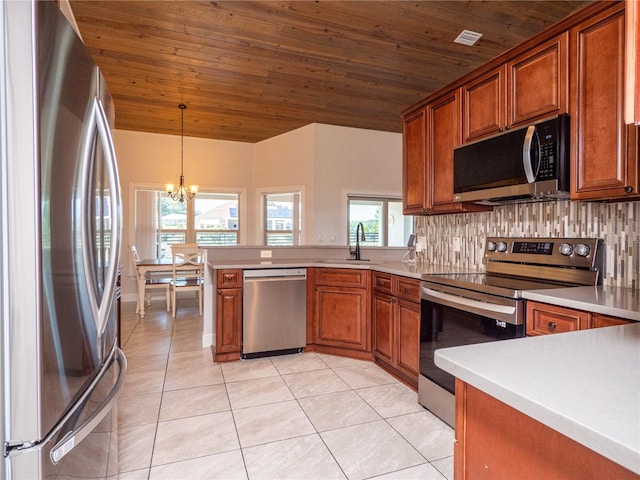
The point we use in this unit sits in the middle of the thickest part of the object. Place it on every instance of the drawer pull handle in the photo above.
(406, 290)
(552, 325)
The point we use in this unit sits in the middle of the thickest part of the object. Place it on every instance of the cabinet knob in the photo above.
(552, 325)
(628, 189)
(219, 292)
(406, 290)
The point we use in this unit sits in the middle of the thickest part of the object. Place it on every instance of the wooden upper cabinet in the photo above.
(604, 150)
(443, 135)
(538, 82)
(632, 51)
(413, 163)
(484, 105)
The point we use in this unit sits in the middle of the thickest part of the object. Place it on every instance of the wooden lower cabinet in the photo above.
(342, 311)
(396, 325)
(543, 319)
(228, 327)
(494, 440)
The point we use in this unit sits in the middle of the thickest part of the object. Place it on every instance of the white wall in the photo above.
(284, 163)
(330, 162)
(351, 160)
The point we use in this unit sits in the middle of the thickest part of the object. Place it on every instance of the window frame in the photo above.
(384, 215)
(298, 215)
(190, 233)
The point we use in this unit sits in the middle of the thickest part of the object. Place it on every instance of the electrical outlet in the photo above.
(456, 244)
(265, 253)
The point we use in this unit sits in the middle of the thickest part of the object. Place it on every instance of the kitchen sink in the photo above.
(350, 261)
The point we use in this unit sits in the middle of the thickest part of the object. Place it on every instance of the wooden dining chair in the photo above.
(151, 282)
(188, 273)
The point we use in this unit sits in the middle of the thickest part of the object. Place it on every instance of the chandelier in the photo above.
(182, 193)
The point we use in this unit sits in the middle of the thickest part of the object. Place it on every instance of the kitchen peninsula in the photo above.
(555, 406)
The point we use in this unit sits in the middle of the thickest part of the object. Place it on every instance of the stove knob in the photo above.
(566, 249)
(491, 246)
(502, 247)
(582, 249)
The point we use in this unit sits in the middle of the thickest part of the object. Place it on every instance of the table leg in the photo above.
(141, 281)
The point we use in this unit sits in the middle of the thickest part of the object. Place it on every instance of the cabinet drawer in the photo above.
(342, 277)
(229, 278)
(408, 289)
(382, 282)
(543, 319)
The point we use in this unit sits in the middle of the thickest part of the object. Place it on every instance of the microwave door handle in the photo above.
(526, 154)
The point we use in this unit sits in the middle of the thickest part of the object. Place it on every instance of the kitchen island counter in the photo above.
(585, 384)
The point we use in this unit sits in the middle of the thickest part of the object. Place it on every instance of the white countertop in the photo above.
(585, 384)
(393, 267)
(615, 301)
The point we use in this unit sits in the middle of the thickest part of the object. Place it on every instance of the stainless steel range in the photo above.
(467, 308)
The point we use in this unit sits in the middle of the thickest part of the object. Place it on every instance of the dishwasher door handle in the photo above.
(274, 279)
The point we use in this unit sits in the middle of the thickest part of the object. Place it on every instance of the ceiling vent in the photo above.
(467, 37)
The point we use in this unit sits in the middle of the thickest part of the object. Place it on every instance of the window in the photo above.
(281, 214)
(210, 219)
(382, 219)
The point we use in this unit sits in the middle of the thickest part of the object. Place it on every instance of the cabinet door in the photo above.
(383, 326)
(484, 106)
(228, 320)
(600, 320)
(408, 325)
(413, 163)
(341, 317)
(543, 319)
(443, 136)
(604, 149)
(538, 82)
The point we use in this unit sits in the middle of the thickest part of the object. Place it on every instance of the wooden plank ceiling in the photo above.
(250, 70)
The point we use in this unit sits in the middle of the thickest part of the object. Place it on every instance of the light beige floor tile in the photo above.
(138, 410)
(191, 359)
(137, 363)
(335, 361)
(248, 369)
(143, 382)
(315, 382)
(270, 423)
(186, 344)
(392, 399)
(425, 471)
(336, 410)
(189, 402)
(298, 458)
(221, 466)
(135, 446)
(444, 466)
(297, 363)
(193, 377)
(194, 437)
(427, 433)
(142, 474)
(370, 449)
(366, 375)
(260, 391)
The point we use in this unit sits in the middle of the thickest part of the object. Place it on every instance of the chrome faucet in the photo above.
(359, 237)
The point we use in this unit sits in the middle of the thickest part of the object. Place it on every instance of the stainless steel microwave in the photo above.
(523, 164)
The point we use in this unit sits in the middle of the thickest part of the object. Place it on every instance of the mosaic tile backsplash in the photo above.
(617, 224)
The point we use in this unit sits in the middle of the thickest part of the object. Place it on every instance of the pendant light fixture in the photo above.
(182, 194)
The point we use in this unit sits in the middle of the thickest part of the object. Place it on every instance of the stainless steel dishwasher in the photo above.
(274, 311)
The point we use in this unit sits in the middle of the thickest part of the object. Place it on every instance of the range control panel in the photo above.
(569, 252)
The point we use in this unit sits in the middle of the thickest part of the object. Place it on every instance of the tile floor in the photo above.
(297, 416)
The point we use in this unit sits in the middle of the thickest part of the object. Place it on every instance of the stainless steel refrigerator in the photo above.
(60, 227)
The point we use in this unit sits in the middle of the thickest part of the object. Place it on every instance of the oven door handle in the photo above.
(483, 306)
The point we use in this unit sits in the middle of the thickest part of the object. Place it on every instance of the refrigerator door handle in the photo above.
(75, 436)
(98, 123)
